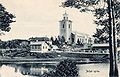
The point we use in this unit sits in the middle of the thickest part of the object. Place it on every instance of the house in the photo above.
(40, 44)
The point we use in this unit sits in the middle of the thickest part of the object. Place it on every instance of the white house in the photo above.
(40, 44)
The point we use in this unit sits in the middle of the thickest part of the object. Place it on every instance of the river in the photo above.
(35, 70)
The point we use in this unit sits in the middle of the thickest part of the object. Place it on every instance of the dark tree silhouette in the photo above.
(78, 42)
(52, 39)
(5, 19)
(62, 40)
(57, 42)
(59, 38)
(66, 68)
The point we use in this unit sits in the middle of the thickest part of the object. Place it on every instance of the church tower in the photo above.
(66, 28)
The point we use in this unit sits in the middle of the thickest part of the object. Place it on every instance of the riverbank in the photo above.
(55, 56)
(46, 60)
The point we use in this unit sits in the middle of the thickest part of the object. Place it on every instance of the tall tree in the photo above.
(103, 20)
(5, 19)
(78, 42)
(108, 17)
(57, 42)
(63, 39)
(52, 39)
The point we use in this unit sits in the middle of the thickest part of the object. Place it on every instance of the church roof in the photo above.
(39, 38)
(78, 33)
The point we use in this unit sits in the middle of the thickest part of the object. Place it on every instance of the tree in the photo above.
(103, 20)
(107, 16)
(52, 39)
(66, 68)
(59, 38)
(57, 42)
(5, 19)
(78, 42)
(62, 39)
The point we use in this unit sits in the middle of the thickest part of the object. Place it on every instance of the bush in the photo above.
(66, 68)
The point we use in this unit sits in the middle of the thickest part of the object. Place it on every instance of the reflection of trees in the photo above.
(34, 69)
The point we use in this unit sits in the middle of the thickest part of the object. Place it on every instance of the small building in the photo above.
(40, 44)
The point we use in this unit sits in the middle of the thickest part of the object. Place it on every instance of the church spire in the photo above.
(65, 16)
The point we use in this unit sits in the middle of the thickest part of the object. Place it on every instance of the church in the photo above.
(65, 30)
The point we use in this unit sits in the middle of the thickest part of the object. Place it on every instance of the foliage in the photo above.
(79, 43)
(82, 5)
(52, 39)
(66, 68)
(5, 19)
(11, 44)
(58, 41)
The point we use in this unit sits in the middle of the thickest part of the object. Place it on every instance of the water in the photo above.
(24, 70)
(94, 70)
(36, 70)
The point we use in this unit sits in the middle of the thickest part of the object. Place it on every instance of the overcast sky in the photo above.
(41, 18)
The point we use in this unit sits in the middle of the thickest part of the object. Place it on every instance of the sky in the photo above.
(38, 18)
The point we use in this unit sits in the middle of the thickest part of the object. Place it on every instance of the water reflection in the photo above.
(37, 70)
(30, 70)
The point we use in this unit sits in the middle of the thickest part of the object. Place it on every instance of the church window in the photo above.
(69, 25)
(63, 25)
(36, 47)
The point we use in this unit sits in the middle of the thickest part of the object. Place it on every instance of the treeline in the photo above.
(60, 41)
(12, 44)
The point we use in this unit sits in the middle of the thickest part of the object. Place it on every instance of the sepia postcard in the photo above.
(59, 38)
